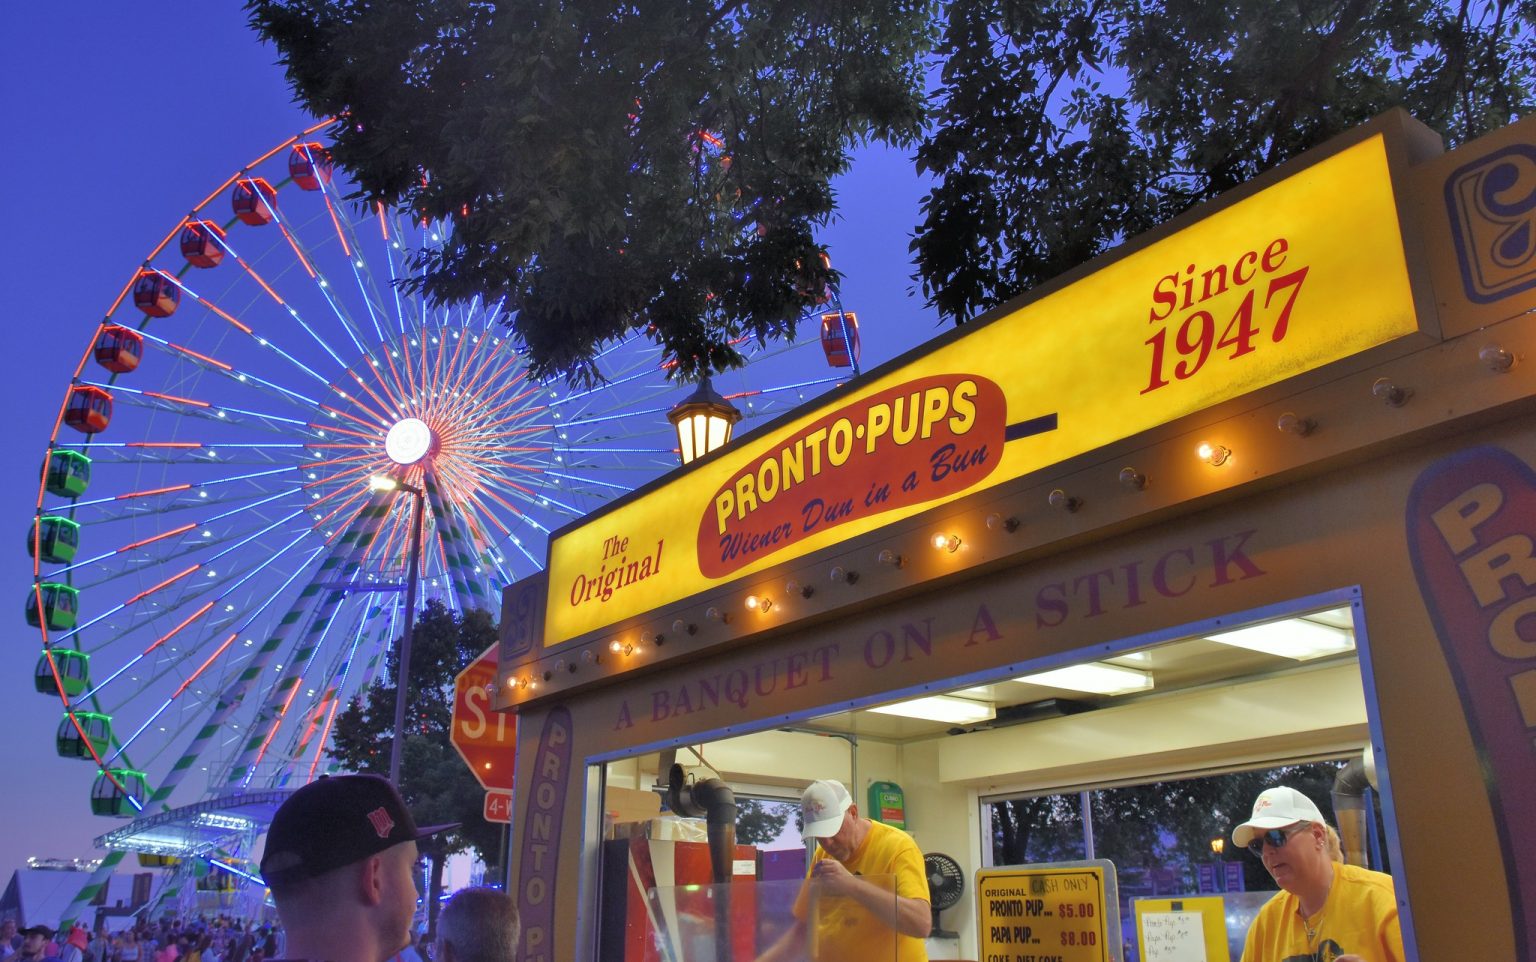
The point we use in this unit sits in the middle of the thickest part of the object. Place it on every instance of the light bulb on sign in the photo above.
(943, 541)
(1213, 454)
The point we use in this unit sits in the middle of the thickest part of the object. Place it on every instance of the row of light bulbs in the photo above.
(1493, 357)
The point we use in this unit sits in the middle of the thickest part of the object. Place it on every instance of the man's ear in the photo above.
(370, 880)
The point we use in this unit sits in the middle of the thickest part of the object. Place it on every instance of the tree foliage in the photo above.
(1062, 127)
(436, 784)
(759, 822)
(1158, 826)
(611, 168)
(660, 168)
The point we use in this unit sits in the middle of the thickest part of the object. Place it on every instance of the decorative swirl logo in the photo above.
(1492, 207)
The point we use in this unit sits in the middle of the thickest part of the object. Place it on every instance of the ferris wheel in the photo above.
(216, 569)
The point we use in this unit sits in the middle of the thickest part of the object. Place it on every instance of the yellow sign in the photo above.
(1042, 915)
(1304, 272)
(1175, 930)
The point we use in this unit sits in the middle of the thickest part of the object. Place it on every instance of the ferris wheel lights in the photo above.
(408, 441)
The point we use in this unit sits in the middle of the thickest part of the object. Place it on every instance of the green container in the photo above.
(888, 804)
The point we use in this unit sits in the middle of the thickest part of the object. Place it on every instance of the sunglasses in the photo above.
(1275, 838)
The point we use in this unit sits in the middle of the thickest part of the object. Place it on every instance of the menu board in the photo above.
(1182, 930)
(1048, 913)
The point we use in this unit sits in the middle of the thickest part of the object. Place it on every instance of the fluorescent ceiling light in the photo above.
(1295, 638)
(1095, 678)
(941, 708)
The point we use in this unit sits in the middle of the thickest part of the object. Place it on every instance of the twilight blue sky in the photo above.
(122, 116)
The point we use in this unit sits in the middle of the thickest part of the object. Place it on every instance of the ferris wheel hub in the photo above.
(408, 441)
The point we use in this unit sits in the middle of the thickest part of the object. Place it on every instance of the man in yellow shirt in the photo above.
(1326, 911)
(866, 893)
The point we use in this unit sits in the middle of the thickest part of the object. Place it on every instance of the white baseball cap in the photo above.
(822, 805)
(1276, 808)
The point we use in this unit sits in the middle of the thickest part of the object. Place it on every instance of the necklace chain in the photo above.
(1311, 930)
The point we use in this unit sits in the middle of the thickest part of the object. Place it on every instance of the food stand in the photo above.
(1306, 398)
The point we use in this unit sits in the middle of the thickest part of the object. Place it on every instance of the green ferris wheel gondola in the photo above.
(119, 793)
(61, 606)
(97, 738)
(67, 473)
(74, 669)
(56, 538)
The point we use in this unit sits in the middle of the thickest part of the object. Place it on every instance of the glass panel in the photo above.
(1044, 828)
(740, 921)
(1170, 839)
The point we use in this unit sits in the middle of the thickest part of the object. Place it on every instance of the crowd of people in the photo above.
(340, 864)
(221, 939)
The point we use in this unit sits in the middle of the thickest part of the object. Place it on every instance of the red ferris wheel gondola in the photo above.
(202, 243)
(840, 338)
(254, 201)
(156, 294)
(310, 166)
(89, 409)
(118, 349)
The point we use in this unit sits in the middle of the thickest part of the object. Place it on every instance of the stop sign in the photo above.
(486, 739)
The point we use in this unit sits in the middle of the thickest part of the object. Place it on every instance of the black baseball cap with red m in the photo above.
(335, 821)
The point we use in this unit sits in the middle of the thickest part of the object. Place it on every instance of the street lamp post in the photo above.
(412, 576)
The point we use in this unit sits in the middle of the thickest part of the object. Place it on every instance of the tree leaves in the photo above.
(433, 778)
(607, 168)
(1062, 127)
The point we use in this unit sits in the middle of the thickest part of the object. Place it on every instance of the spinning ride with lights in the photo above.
(214, 575)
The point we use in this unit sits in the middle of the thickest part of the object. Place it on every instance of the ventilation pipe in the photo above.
(716, 803)
(1349, 807)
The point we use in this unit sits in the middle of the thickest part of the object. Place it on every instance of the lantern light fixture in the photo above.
(761, 604)
(1133, 479)
(704, 421)
(944, 541)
